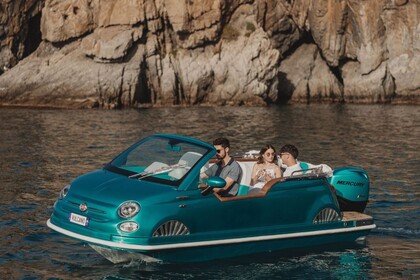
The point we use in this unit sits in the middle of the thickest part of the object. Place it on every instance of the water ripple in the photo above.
(413, 233)
(43, 150)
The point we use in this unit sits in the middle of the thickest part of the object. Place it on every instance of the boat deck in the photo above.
(354, 216)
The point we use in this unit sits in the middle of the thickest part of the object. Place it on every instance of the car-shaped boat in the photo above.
(148, 203)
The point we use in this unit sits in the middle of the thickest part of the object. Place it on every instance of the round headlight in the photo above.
(128, 209)
(129, 226)
(64, 192)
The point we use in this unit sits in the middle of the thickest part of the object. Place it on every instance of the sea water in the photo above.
(42, 150)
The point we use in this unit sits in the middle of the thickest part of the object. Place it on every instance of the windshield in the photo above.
(159, 159)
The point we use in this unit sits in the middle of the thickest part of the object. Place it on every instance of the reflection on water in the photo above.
(391, 252)
(43, 150)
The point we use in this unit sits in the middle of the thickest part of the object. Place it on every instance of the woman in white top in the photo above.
(266, 167)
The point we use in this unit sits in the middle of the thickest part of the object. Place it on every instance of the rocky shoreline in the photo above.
(143, 53)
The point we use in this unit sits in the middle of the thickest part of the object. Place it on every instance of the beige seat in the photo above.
(246, 171)
(155, 165)
(186, 161)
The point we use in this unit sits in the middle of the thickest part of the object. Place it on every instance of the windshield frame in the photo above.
(173, 143)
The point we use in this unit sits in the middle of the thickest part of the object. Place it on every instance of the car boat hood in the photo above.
(109, 187)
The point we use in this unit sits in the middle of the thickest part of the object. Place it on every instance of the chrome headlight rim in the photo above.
(128, 209)
(129, 226)
(64, 191)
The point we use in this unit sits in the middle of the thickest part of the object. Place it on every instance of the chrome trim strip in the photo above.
(204, 243)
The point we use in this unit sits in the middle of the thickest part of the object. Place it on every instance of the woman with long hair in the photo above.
(266, 167)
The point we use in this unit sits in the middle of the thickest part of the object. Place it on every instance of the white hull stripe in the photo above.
(205, 243)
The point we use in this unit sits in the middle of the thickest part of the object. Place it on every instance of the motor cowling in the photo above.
(352, 188)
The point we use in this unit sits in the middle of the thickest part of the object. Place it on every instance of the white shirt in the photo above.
(290, 169)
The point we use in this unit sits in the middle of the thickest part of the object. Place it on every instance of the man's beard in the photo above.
(219, 157)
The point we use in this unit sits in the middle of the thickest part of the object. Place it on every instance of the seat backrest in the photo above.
(190, 158)
(246, 171)
(155, 165)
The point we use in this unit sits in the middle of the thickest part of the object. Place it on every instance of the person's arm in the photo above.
(231, 178)
(206, 174)
(279, 173)
(229, 183)
(254, 176)
(274, 172)
(209, 172)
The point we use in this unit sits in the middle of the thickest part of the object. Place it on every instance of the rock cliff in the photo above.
(131, 53)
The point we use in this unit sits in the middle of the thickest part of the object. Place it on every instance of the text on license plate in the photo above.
(78, 219)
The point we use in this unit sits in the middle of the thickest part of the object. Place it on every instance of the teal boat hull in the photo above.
(198, 251)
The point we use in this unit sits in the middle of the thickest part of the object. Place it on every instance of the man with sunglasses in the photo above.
(288, 155)
(225, 167)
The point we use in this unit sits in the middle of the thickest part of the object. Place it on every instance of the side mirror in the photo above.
(216, 182)
(213, 182)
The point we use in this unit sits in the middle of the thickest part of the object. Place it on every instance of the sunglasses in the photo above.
(219, 150)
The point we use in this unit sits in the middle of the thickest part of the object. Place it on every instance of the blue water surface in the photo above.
(43, 150)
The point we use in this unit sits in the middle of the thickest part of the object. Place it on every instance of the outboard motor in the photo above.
(352, 188)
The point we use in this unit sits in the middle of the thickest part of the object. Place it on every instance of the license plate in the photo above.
(78, 219)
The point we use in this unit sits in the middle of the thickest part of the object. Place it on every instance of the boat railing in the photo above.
(311, 173)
